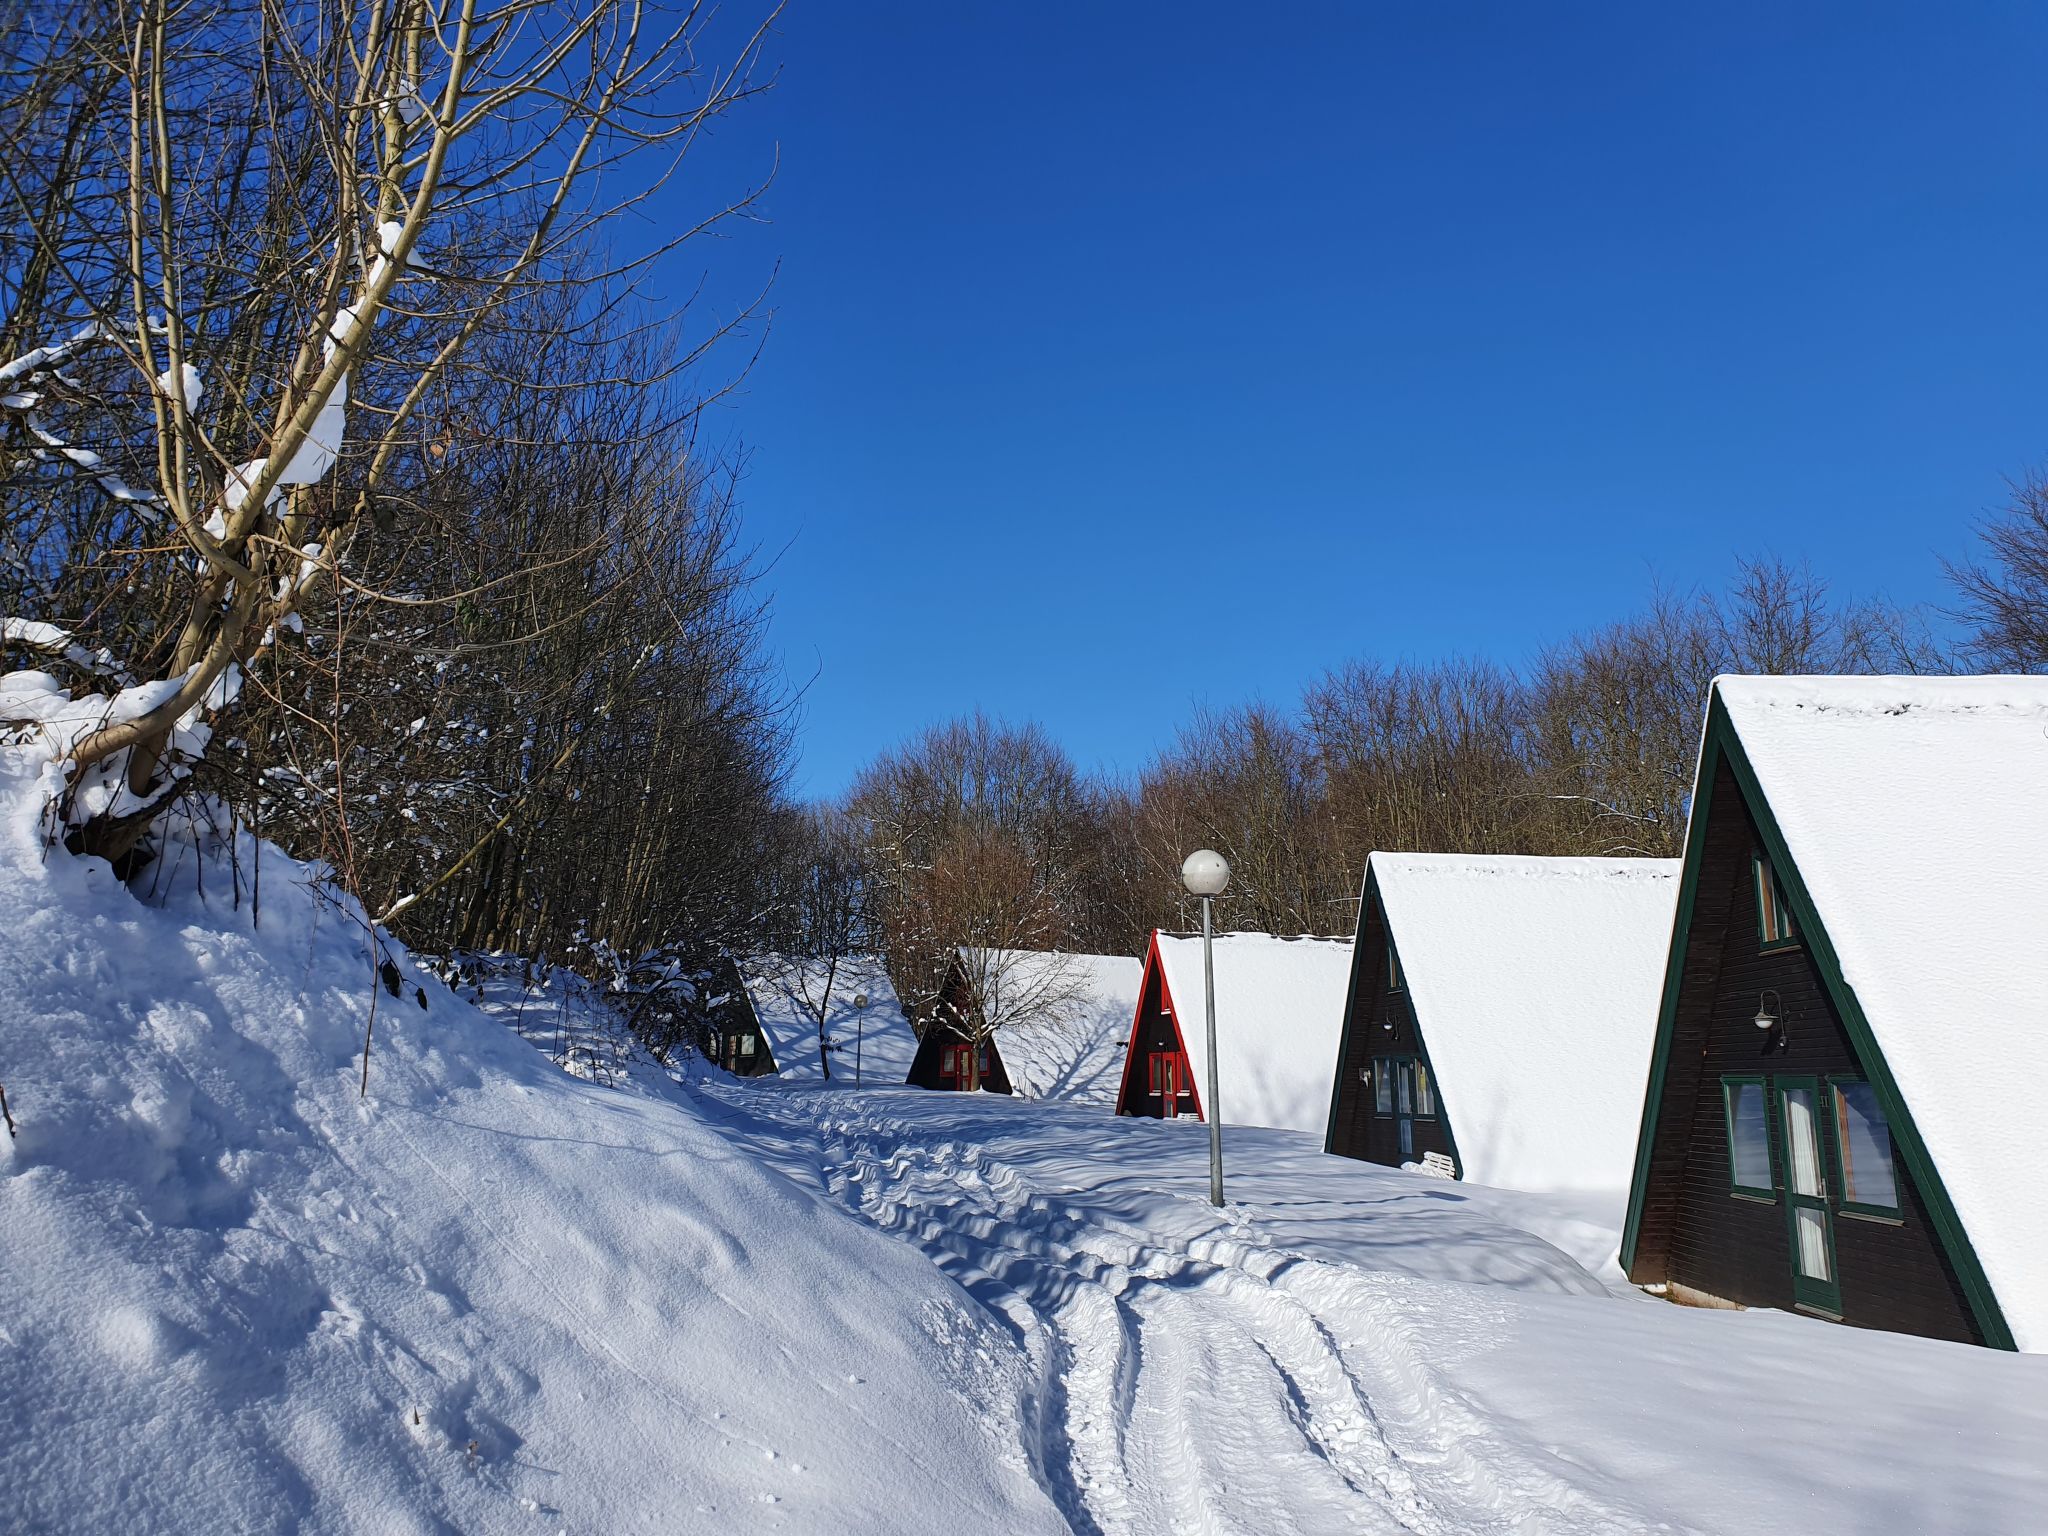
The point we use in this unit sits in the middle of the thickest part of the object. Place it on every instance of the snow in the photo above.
(785, 992)
(1353, 1348)
(192, 386)
(1076, 1050)
(1916, 810)
(1279, 1014)
(41, 722)
(500, 1296)
(491, 1297)
(33, 632)
(1535, 982)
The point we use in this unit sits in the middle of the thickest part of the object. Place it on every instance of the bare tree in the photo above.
(2004, 593)
(820, 917)
(248, 301)
(974, 837)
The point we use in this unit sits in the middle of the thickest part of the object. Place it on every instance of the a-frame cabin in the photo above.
(734, 1038)
(1499, 1017)
(1844, 1113)
(1279, 1006)
(867, 1047)
(947, 1059)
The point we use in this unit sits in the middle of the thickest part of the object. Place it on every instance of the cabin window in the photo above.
(1393, 968)
(1775, 929)
(982, 1056)
(1870, 1181)
(1167, 1074)
(746, 1045)
(1383, 1086)
(1749, 1137)
(1425, 1091)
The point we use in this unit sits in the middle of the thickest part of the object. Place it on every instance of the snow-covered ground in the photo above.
(490, 1297)
(495, 1295)
(1351, 1348)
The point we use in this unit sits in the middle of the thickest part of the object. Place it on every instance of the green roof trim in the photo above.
(1720, 743)
(1369, 899)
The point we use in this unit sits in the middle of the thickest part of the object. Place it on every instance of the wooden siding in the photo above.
(1356, 1130)
(1156, 1031)
(1694, 1232)
(732, 1021)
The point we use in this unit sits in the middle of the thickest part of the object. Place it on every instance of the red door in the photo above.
(1166, 1080)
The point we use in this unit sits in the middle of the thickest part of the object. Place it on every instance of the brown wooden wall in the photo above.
(1155, 1031)
(1694, 1231)
(1355, 1130)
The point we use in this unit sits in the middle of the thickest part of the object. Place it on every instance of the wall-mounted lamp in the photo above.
(1768, 1020)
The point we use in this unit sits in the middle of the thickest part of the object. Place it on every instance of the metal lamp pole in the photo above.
(1205, 874)
(860, 1029)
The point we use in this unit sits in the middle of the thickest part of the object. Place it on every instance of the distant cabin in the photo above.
(734, 1039)
(1844, 1113)
(946, 1058)
(1499, 1018)
(1279, 1010)
(867, 1047)
(1067, 1043)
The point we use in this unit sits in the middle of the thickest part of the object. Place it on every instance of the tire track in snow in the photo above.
(1196, 1386)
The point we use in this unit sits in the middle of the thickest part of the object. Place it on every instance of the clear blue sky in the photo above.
(1129, 356)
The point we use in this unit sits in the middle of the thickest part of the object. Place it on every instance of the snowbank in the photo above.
(1279, 1015)
(489, 1298)
(878, 1039)
(1916, 810)
(1535, 983)
(1076, 1050)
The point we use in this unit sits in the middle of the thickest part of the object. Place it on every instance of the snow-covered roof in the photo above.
(1074, 1050)
(1916, 810)
(879, 1035)
(1279, 1013)
(1535, 982)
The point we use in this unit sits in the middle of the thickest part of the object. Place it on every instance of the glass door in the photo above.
(1812, 1232)
(1404, 1106)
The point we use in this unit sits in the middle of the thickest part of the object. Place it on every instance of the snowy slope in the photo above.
(1279, 1016)
(1536, 984)
(491, 1298)
(1075, 1052)
(1916, 809)
(1353, 1348)
(879, 1038)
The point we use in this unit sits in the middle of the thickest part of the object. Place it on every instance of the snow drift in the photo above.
(488, 1297)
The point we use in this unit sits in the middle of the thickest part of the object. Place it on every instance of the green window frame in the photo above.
(1403, 1086)
(1732, 1085)
(1775, 928)
(1394, 981)
(1845, 1156)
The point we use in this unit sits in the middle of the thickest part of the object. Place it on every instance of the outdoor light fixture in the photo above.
(860, 1028)
(1205, 874)
(1767, 1019)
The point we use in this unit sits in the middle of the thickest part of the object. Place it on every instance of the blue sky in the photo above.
(1127, 357)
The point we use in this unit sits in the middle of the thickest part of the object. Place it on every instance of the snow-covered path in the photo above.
(1295, 1364)
(1215, 1381)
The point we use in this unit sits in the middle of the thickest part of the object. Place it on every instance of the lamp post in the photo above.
(1205, 874)
(860, 1029)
